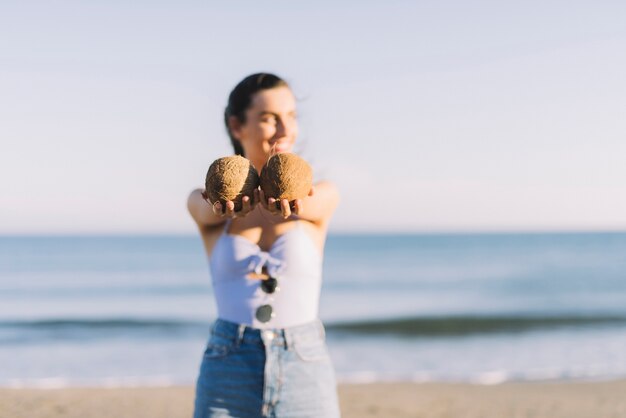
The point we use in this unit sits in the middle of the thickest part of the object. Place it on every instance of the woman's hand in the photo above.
(229, 211)
(283, 207)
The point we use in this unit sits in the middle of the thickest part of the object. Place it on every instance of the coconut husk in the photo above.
(286, 176)
(231, 178)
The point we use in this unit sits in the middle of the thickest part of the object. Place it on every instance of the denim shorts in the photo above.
(279, 372)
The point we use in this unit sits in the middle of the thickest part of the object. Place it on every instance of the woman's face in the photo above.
(271, 124)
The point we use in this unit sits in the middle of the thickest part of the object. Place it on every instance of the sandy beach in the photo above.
(389, 400)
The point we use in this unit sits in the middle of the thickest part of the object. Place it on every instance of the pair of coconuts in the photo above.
(284, 176)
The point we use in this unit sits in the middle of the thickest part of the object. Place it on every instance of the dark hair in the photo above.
(241, 97)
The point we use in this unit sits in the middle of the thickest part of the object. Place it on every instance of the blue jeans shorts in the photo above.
(280, 372)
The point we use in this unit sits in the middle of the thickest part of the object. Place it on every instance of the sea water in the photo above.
(485, 308)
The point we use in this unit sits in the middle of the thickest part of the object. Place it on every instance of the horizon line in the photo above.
(477, 231)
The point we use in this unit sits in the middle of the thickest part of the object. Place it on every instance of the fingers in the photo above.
(277, 207)
(245, 205)
(271, 205)
(230, 209)
(281, 207)
(297, 206)
(285, 209)
(217, 209)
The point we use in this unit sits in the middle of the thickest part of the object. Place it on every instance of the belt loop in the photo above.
(288, 338)
(240, 331)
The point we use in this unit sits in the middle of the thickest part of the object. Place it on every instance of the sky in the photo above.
(430, 116)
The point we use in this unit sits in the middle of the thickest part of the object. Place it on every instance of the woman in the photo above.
(266, 354)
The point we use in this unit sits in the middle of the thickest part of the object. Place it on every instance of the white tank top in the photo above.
(294, 260)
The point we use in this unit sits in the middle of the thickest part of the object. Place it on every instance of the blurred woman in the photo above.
(266, 354)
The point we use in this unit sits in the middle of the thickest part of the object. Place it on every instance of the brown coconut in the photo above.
(231, 178)
(286, 176)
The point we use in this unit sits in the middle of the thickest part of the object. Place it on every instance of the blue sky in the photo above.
(430, 116)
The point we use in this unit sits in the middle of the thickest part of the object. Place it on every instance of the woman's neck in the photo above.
(258, 164)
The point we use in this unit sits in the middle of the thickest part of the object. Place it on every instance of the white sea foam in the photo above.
(491, 378)
(104, 382)
(42, 383)
(365, 376)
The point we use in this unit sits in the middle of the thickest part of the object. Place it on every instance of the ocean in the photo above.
(483, 308)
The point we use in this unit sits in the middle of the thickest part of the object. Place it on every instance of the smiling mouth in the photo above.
(280, 145)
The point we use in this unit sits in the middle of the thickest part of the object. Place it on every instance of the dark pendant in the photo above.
(264, 313)
(269, 285)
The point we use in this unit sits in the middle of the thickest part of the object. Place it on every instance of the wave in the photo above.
(419, 326)
(466, 325)
(35, 331)
(114, 323)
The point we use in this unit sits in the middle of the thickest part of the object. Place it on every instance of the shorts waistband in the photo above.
(242, 332)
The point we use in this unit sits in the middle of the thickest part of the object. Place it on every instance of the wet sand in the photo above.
(388, 400)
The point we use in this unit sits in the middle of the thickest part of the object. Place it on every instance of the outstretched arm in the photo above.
(207, 214)
(318, 206)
